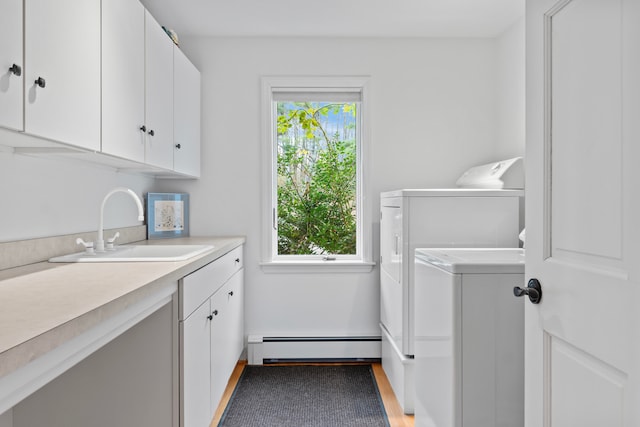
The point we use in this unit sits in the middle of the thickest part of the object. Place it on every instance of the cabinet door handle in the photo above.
(230, 293)
(210, 317)
(143, 128)
(40, 82)
(16, 70)
(151, 132)
(237, 260)
(178, 146)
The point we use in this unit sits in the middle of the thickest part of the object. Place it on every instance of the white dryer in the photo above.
(469, 348)
(484, 213)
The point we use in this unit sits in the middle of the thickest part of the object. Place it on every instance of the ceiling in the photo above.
(337, 18)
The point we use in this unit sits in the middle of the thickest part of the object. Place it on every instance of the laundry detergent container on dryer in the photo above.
(469, 354)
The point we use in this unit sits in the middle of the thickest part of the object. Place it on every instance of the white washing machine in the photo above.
(469, 344)
(484, 211)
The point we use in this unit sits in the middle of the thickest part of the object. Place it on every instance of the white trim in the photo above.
(271, 84)
(312, 266)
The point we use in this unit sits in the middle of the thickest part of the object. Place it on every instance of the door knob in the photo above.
(143, 128)
(151, 132)
(16, 70)
(178, 146)
(40, 82)
(533, 291)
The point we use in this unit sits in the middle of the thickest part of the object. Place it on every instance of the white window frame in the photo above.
(271, 261)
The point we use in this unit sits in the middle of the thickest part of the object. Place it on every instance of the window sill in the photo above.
(317, 266)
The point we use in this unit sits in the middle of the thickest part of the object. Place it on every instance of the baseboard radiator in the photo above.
(263, 349)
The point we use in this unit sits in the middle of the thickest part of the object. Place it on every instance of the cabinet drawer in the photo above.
(201, 284)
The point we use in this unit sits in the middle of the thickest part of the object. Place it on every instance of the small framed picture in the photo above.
(167, 215)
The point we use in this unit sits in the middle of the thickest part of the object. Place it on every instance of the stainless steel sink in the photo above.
(138, 253)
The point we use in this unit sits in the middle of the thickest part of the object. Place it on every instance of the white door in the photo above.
(159, 95)
(62, 71)
(195, 368)
(219, 345)
(123, 79)
(186, 115)
(582, 346)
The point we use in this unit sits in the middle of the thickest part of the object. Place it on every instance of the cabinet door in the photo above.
(227, 333)
(186, 115)
(159, 95)
(219, 345)
(62, 53)
(195, 368)
(235, 304)
(123, 79)
(11, 45)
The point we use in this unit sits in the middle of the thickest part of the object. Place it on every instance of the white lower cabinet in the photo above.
(227, 334)
(211, 335)
(195, 367)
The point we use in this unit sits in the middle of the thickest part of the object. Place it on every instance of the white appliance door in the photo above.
(391, 238)
(582, 341)
(392, 294)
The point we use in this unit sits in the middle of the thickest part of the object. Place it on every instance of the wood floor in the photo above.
(396, 417)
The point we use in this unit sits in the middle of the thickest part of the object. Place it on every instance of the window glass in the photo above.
(316, 176)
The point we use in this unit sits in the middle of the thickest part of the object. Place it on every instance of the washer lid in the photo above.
(474, 260)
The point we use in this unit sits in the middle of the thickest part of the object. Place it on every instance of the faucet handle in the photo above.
(110, 241)
(88, 246)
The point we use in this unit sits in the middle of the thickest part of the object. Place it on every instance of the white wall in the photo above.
(47, 197)
(434, 113)
(510, 86)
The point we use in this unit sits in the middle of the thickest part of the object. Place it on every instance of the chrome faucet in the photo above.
(100, 243)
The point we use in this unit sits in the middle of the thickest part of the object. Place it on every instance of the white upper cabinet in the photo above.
(123, 121)
(62, 71)
(186, 115)
(100, 76)
(159, 95)
(11, 65)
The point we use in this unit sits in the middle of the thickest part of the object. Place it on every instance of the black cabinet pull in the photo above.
(16, 70)
(178, 146)
(40, 82)
(143, 128)
(210, 317)
(237, 259)
(230, 293)
(151, 132)
(215, 312)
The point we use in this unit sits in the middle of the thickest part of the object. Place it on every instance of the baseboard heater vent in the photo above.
(263, 349)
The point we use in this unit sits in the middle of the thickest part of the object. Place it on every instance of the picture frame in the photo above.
(167, 215)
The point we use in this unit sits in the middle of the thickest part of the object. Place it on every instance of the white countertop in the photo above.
(45, 305)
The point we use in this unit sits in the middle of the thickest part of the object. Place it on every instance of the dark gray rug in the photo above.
(305, 396)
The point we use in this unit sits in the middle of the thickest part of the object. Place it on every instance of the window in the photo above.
(314, 151)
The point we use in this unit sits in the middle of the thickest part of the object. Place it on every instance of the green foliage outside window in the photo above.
(316, 178)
